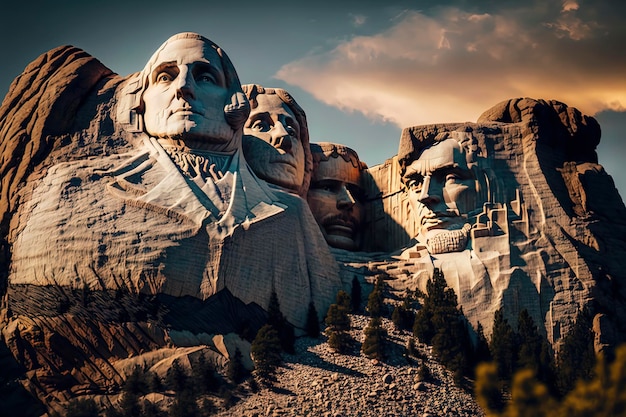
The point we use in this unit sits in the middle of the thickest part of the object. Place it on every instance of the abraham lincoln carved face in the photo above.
(442, 191)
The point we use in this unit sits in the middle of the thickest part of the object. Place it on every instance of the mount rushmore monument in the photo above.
(152, 216)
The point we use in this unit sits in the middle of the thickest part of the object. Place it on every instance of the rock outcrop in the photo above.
(549, 236)
(111, 249)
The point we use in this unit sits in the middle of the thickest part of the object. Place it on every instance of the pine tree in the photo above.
(184, 405)
(343, 300)
(376, 298)
(547, 366)
(502, 346)
(410, 347)
(481, 351)
(135, 385)
(82, 408)
(149, 409)
(439, 300)
(441, 323)
(355, 295)
(176, 378)
(576, 357)
(274, 315)
(236, 372)
(534, 352)
(276, 319)
(338, 323)
(451, 344)
(265, 352)
(423, 372)
(403, 316)
(312, 322)
(129, 405)
(396, 317)
(337, 318)
(528, 342)
(423, 327)
(208, 407)
(340, 342)
(136, 382)
(204, 376)
(604, 394)
(374, 339)
(154, 382)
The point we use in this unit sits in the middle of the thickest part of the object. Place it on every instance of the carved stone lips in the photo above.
(340, 226)
(338, 229)
(439, 220)
(185, 111)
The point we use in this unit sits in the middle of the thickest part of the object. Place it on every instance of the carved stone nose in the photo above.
(345, 199)
(282, 142)
(425, 196)
(184, 87)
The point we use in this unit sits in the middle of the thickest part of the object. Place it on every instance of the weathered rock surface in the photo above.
(552, 236)
(96, 268)
(98, 274)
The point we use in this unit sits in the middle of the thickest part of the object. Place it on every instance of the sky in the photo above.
(363, 70)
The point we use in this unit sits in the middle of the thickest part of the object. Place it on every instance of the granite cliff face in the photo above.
(549, 236)
(112, 255)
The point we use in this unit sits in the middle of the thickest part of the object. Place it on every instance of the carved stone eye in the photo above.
(260, 125)
(291, 131)
(164, 77)
(206, 77)
(415, 183)
(452, 178)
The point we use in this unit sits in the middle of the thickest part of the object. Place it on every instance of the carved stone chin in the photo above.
(449, 240)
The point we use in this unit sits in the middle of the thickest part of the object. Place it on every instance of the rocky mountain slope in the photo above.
(315, 381)
(318, 382)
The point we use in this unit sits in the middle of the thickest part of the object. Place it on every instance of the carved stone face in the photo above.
(186, 94)
(334, 198)
(442, 191)
(272, 142)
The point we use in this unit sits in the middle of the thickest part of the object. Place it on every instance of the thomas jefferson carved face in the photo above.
(186, 94)
(272, 142)
(442, 191)
(335, 200)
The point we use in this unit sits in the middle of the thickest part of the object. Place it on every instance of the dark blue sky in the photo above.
(361, 70)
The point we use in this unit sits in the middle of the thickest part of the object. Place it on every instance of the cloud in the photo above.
(569, 5)
(358, 19)
(570, 25)
(450, 65)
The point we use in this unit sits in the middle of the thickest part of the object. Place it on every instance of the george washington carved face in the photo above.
(186, 93)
